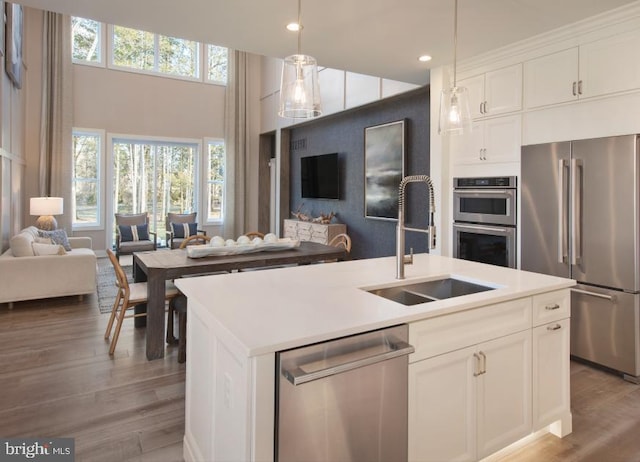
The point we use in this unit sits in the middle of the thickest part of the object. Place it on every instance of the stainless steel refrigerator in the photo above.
(580, 219)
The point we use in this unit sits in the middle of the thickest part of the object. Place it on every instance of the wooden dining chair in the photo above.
(196, 239)
(341, 240)
(129, 295)
(253, 234)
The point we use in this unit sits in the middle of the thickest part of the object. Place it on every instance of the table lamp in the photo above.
(46, 207)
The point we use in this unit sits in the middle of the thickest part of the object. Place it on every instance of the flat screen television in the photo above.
(320, 176)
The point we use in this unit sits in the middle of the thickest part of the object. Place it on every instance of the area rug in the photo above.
(107, 288)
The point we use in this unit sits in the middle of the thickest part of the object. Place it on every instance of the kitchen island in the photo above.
(237, 323)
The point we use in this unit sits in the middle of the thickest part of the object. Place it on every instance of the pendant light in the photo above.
(455, 116)
(299, 88)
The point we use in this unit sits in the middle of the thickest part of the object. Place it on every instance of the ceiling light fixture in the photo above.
(299, 88)
(455, 117)
(424, 58)
(293, 27)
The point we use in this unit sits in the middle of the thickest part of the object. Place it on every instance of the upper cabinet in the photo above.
(597, 68)
(495, 92)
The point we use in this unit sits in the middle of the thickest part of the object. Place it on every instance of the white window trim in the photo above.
(103, 51)
(154, 72)
(142, 139)
(101, 179)
(205, 66)
(205, 182)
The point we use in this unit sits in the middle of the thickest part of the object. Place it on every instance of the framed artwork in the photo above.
(13, 43)
(384, 158)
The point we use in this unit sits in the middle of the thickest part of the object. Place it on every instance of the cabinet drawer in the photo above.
(551, 306)
(451, 332)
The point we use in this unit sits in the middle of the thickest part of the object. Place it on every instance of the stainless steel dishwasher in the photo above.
(344, 400)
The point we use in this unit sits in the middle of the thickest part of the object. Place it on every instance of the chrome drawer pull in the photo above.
(554, 327)
(552, 307)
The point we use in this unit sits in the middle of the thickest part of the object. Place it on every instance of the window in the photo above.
(141, 51)
(217, 63)
(87, 40)
(215, 180)
(145, 51)
(156, 177)
(87, 147)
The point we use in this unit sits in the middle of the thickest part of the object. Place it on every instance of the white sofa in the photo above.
(33, 277)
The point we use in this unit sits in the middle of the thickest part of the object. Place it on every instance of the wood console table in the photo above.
(314, 232)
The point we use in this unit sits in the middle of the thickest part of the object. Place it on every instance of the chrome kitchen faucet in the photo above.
(401, 258)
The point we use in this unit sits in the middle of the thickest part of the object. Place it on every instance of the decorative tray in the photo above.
(200, 251)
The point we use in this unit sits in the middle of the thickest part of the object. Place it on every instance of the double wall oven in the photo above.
(484, 213)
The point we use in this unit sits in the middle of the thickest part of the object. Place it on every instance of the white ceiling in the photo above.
(376, 37)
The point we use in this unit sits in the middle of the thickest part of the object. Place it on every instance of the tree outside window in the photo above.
(215, 181)
(218, 61)
(86, 35)
(86, 179)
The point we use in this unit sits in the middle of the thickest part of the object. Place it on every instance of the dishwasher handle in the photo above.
(298, 376)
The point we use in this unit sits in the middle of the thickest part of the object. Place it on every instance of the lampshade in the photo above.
(299, 89)
(455, 116)
(46, 206)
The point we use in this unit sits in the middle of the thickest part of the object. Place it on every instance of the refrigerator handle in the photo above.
(562, 213)
(576, 211)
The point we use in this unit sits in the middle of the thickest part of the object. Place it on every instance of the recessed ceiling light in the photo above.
(294, 27)
(424, 58)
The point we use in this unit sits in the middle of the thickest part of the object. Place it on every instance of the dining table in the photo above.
(156, 267)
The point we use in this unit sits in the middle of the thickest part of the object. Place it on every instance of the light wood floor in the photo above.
(57, 380)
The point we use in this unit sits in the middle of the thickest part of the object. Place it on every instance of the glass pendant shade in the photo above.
(299, 88)
(455, 115)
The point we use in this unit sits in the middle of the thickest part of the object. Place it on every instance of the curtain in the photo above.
(55, 160)
(236, 144)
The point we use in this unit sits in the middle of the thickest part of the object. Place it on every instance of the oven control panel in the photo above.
(486, 182)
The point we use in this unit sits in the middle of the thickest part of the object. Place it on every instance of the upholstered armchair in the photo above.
(133, 235)
(179, 226)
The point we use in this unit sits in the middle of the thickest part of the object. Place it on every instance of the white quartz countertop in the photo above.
(277, 309)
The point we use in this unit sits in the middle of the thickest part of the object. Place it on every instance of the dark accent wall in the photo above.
(344, 133)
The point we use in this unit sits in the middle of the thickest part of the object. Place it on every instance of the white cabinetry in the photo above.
(470, 403)
(482, 379)
(551, 391)
(495, 92)
(491, 140)
(470, 382)
(597, 68)
(314, 232)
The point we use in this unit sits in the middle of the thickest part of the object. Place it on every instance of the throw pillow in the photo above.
(48, 249)
(44, 240)
(57, 236)
(21, 245)
(182, 230)
(134, 233)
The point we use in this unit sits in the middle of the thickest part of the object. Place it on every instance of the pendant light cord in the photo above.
(300, 27)
(455, 39)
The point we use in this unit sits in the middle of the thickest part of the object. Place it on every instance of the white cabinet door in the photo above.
(491, 140)
(503, 139)
(550, 79)
(468, 148)
(504, 392)
(442, 408)
(503, 90)
(496, 92)
(551, 393)
(610, 65)
(475, 86)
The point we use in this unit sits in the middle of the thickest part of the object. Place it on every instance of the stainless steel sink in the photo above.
(429, 291)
